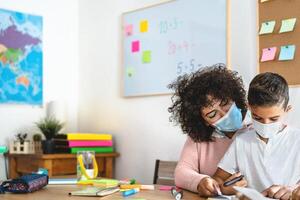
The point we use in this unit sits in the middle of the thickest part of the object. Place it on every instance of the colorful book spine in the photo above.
(91, 143)
(96, 149)
(88, 136)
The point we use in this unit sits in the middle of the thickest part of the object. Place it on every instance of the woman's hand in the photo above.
(278, 192)
(208, 187)
(296, 194)
(228, 190)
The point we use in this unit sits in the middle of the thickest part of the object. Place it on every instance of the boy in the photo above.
(268, 155)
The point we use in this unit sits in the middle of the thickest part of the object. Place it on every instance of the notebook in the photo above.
(95, 192)
(251, 193)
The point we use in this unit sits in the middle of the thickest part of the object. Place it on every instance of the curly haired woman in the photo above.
(210, 106)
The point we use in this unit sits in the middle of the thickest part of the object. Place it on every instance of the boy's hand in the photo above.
(296, 194)
(228, 190)
(278, 192)
(208, 187)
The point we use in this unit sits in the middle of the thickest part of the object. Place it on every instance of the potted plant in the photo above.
(49, 126)
(20, 145)
(37, 142)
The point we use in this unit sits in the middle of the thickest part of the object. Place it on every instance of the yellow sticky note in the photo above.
(144, 26)
(287, 25)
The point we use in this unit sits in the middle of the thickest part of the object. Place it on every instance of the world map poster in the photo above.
(21, 58)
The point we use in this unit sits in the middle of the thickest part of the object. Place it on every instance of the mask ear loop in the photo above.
(83, 169)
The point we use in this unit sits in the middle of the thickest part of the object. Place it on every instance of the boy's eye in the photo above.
(275, 119)
(257, 118)
(224, 102)
(212, 114)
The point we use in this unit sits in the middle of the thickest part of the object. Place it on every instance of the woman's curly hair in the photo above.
(191, 96)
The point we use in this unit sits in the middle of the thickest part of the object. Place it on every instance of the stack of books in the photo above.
(74, 142)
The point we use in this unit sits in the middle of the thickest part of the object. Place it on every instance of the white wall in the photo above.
(140, 125)
(60, 48)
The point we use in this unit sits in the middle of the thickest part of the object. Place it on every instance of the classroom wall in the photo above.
(60, 48)
(140, 125)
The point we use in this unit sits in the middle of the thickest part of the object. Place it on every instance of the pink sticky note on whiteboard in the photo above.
(268, 54)
(128, 29)
(135, 46)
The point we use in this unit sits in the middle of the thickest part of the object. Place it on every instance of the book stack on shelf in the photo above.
(74, 142)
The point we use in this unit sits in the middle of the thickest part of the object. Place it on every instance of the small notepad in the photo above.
(287, 52)
(268, 54)
(267, 27)
(287, 25)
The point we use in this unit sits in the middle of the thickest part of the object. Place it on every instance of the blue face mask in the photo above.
(230, 122)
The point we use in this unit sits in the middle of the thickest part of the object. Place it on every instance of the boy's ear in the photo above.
(288, 108)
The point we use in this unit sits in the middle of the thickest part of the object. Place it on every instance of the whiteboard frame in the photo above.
(228, 45)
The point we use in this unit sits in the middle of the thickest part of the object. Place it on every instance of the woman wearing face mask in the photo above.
(210, 106)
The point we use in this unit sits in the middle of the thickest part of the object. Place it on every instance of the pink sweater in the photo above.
(199, 160)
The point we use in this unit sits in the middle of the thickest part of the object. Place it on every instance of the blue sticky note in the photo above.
(287, 52)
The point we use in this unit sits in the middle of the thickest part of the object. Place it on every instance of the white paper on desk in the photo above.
(251, 193)
(62, 181)
(223, 197)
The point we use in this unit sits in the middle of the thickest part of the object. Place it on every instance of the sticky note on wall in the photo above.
(267, 27)
(287, 25)
(130, 71)
(146, 56)
(135, 46)
(128, 29)
(287, 52)
(268, 54)
(144, 26)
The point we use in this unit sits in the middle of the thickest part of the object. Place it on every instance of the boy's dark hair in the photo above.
(192, 95)
(268, 89)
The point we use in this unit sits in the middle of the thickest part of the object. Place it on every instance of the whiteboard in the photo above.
(165, 41)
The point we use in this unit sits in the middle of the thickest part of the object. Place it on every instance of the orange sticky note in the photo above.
(268, 54)
(144, 26)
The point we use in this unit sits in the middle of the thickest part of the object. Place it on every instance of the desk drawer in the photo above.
(26, 166)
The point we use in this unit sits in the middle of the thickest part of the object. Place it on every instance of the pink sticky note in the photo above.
(268, 54)
(135, 46)
(166, 187)
(128, 29)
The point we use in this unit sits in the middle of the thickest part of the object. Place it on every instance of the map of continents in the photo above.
(21, 58)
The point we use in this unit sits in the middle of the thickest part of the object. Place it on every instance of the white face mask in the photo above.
(267, 130)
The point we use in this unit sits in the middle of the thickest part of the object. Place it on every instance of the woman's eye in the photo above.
(224, 102)
(212, 114)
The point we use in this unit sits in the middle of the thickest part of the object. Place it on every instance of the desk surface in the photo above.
(61, 193)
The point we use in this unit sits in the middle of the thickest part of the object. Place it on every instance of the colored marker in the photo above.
(130, 186)
(130, 192)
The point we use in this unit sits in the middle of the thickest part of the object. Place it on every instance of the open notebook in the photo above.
(95, 191)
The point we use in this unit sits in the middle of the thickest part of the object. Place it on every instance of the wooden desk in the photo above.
(61, 193)
(57, 164)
